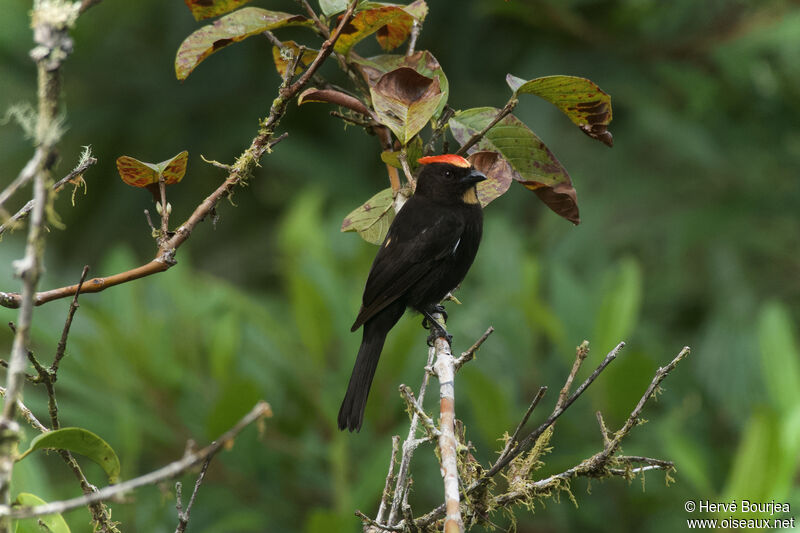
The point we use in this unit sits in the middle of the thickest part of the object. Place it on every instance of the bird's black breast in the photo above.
(450, 270)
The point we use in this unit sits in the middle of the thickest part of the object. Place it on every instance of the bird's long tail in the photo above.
(351, 413)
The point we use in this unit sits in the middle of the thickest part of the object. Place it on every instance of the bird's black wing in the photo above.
(419, 238)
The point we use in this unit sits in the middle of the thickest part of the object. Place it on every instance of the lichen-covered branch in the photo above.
(239, 172)
(511, 480)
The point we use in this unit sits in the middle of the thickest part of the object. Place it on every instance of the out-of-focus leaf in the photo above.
(780, 357)
(413, 153)
(761, 470)
(82, 441)
(324, 520)
(394, 18)
(619, 309)
(422, 61)
(282, 62)
(498, 172)
(586, 104)
(236, 398)
(225, 337)
(141, 174)
(490, 404)
(373, 218)
(331, 7)
(535, 165)
(206, 9)
(405, 100)
(51, 523)
(231, 28)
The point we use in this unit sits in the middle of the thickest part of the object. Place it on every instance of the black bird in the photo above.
(427, 252)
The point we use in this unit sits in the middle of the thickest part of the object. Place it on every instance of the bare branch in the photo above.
(467, 356)
(62, 343)
(260, 410)
(183, 516)
(409, 446)
(386, 497)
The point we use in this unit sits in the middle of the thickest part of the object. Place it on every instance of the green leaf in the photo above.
(405, 100)
(236, 398)
(422, 61)
(779, 357)
(534, 164)
(232, 28)
(373, 218)
(413, 153)
(490, 404)
(51, 523)
(586, 104)
(395, 18)
(223, 344)
(331, 7)
(82, 441)
(619, 309)
(205, 9)
(761, 470)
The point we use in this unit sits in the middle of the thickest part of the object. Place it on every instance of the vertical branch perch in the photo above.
(445, 371)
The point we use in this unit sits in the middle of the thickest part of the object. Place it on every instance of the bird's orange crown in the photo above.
(451, 159)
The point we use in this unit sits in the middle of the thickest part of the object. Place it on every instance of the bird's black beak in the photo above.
(473, 177)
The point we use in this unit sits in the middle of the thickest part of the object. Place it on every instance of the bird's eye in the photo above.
(448, 174)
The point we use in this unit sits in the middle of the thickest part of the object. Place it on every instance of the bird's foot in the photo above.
(437, 329)
(426, 320)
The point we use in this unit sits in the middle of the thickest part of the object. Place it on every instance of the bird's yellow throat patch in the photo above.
(471, 196)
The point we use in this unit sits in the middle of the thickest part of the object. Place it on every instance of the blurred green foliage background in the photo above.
(689, 235)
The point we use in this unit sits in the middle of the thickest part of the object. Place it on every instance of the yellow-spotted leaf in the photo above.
(82, 441)
(281, 57)
(413, 152)
(405, 100)
(422, 61)
(372, 219)
(534, 164)
(393, 21)
(50, 523)
(498, 172)
(229, 29)
(206, 9)
(586, 104)
(141, 174)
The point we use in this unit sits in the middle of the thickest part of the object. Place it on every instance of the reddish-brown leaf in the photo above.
(392, 21)
(405, 100)
(231, 28)
(498, 172)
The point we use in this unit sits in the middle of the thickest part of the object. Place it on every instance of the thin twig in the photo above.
(416, 408)
(507, 109)
(580, 355)
(62, 343)
(261, 409)
(409, 446)
(512, 441)
(386, 496)
(27, 414)
(183, 516)
(467, 356)
(412, 39)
